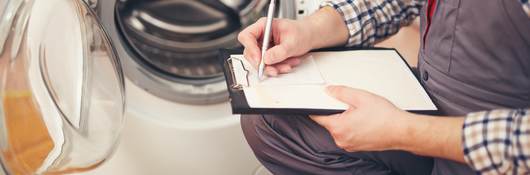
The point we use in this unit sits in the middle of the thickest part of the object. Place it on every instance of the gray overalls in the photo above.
(476, 56)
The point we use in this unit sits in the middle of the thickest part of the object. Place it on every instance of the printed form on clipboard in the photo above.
(379, 71)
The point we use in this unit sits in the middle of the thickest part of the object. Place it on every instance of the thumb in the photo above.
(325, 121)
(277, 54)
(352, 97)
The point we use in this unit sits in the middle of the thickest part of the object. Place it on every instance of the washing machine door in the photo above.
(61, 88)
(180, 39)
(171, 47)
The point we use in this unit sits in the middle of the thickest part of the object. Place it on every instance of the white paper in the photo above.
(382, 72)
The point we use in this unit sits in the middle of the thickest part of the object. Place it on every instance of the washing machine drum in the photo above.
(180, 38)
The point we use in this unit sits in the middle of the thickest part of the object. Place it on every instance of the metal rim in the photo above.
(168, 87)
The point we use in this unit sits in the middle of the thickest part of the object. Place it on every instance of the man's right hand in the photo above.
(292, 39)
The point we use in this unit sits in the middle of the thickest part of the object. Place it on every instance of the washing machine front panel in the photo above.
(163, 105)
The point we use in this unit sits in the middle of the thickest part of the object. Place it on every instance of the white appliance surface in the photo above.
(162, 137)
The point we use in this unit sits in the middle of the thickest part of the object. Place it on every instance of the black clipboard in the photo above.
(238, 100)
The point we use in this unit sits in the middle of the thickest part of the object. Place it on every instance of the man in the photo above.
(474, 56)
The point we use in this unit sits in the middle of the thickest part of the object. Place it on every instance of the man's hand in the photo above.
(292, 39)
(370, 124)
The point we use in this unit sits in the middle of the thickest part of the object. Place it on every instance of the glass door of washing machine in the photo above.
(173, 45)
(61, 88)
(180, 38)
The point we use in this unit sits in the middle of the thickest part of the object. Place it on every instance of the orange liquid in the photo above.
(28, 140)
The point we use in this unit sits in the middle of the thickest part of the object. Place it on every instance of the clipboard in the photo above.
(240, 104)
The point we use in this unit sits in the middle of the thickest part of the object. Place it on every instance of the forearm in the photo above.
(327, 28)
(370, 21)
(431, 136)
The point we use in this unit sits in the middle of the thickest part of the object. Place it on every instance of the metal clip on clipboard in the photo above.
(235, 85)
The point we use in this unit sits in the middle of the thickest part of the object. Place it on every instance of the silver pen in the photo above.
(266, 39)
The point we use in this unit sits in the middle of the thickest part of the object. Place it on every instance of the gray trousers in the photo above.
(298, 145)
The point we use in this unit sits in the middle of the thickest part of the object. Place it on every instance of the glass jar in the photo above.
(61, 88)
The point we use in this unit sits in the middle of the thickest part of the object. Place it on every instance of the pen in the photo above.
(266, 39)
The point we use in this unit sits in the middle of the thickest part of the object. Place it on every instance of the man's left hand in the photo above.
(371, 123)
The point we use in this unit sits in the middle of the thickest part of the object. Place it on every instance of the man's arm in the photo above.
(491, 142)
(337, 23)
(372, 123)
(496, 142)
(432, 136)
(370, 21)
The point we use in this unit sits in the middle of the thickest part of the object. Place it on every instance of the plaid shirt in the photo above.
(370, 21)
(495, 142)
(498, 142)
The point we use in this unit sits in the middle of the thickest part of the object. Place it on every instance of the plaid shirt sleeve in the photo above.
(370, 21)
(498, 142)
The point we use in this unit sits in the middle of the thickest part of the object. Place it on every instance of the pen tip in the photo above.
(260, 76)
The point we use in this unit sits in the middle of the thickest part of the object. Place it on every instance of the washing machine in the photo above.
(178, 116)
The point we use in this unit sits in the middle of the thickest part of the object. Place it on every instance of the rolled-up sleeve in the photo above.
(370, 21)
(498, 142)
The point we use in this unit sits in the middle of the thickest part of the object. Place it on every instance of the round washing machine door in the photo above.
(61, 88)
(170, 47)
(179, 39)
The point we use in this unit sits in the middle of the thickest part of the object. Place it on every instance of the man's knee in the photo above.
(250, 125)
(297, 145)
(259, 134)
(272, 134)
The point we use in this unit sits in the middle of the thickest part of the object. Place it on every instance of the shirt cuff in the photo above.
(489, 138)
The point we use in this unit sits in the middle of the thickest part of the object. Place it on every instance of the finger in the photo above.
(326, 121)
(293, 61)
(250, 43)
(283, 68)
(350, 96)
(247, 56)
(251, 47)
(257, 29)
(277, 54)
(249, 39)
(271, 71)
